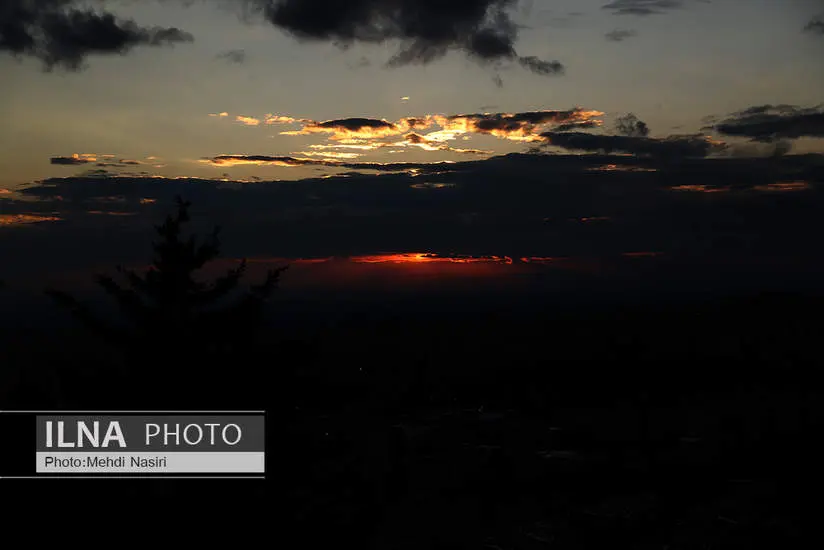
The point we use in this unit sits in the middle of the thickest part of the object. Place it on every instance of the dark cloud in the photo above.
(570, 126)
(235, 160)
(555, 206)
(672, 147)
(62, 33)
(620, 35)
(232, 160)
(644, 7)
(541, 67)
(233, 56)
(74, 160)
(426, 30)
(769, 123)
(630, 125)
(352, 128)
(816, 25)
(65, 32)
(356, 124)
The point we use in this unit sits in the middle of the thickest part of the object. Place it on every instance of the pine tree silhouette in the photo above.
(174, 320)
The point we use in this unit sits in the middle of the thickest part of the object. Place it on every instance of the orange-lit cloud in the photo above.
(525, 126)
(219, 115)
(265, 160)
(784, 186)
(330, 154)
(423, 142)
(278, 119)
(370, 134)
(23, 219)
(367, 147)
(257, 160)
(247, 120)
(415, 123)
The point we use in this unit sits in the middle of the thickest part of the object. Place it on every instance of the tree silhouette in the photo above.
(174, 319)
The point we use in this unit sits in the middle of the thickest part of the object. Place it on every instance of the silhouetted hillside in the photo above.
(672, 424)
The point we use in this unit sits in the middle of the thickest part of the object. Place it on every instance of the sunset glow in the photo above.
(417, 258)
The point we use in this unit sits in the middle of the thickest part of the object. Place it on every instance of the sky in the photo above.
(503, 129)
(670, 63)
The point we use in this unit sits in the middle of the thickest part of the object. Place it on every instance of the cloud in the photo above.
(278, 119)
(541, 67)
(247, 120)
(619, 35)
(415, 123)
(756, 149)
(259, 160)
(74, 160)
(689, 146)
(523, 126)
(769, 123)
(349, 129)
(520, 206)
(372, 133)
(60, 33)
(630, 125)
(816, 26)
(426, 31)
(330, 154)
(570, 126)
(65, 32)
(233, 56)
(428, 144)
(643, 7)
(287, 161)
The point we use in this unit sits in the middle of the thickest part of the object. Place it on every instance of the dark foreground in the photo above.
(691, 426)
